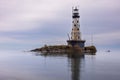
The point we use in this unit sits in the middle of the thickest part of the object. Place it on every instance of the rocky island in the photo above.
(91, 50)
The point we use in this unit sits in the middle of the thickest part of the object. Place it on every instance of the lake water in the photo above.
(18, 65)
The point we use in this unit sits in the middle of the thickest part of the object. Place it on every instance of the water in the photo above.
(18, 65)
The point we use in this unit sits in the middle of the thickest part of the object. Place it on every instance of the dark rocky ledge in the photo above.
(90, 50)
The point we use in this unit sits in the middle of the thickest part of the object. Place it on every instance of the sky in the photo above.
(28, 24)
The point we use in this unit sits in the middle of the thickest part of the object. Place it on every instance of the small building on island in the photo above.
(75, 39)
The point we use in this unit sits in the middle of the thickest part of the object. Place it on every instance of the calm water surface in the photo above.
(18, 65)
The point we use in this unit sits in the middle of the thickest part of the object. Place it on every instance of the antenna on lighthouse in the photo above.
(91, 40)
(68, 36)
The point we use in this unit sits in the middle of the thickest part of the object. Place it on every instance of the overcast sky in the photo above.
(33, 23)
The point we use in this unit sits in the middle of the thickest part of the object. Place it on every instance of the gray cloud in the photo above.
(24, 14)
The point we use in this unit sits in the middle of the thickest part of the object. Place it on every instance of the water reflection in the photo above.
(75, 67)
(74, 60)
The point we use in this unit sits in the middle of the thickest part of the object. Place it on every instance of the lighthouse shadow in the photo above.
(69, 55)
(74, 62)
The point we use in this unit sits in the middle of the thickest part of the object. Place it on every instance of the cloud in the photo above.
(104, 39)
(30, 39)
(28, 14)
(108, 38)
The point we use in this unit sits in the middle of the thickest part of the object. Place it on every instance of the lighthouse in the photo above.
(75, 39)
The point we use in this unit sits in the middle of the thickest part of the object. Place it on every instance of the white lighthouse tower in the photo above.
(75, 33)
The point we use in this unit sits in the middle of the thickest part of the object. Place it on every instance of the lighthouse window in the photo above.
(78, 29)
(74, 24)
(77, 21)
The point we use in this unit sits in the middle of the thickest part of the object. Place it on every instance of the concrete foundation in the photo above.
(80, 43)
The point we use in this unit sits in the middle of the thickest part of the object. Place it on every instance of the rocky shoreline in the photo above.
(66, 49)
